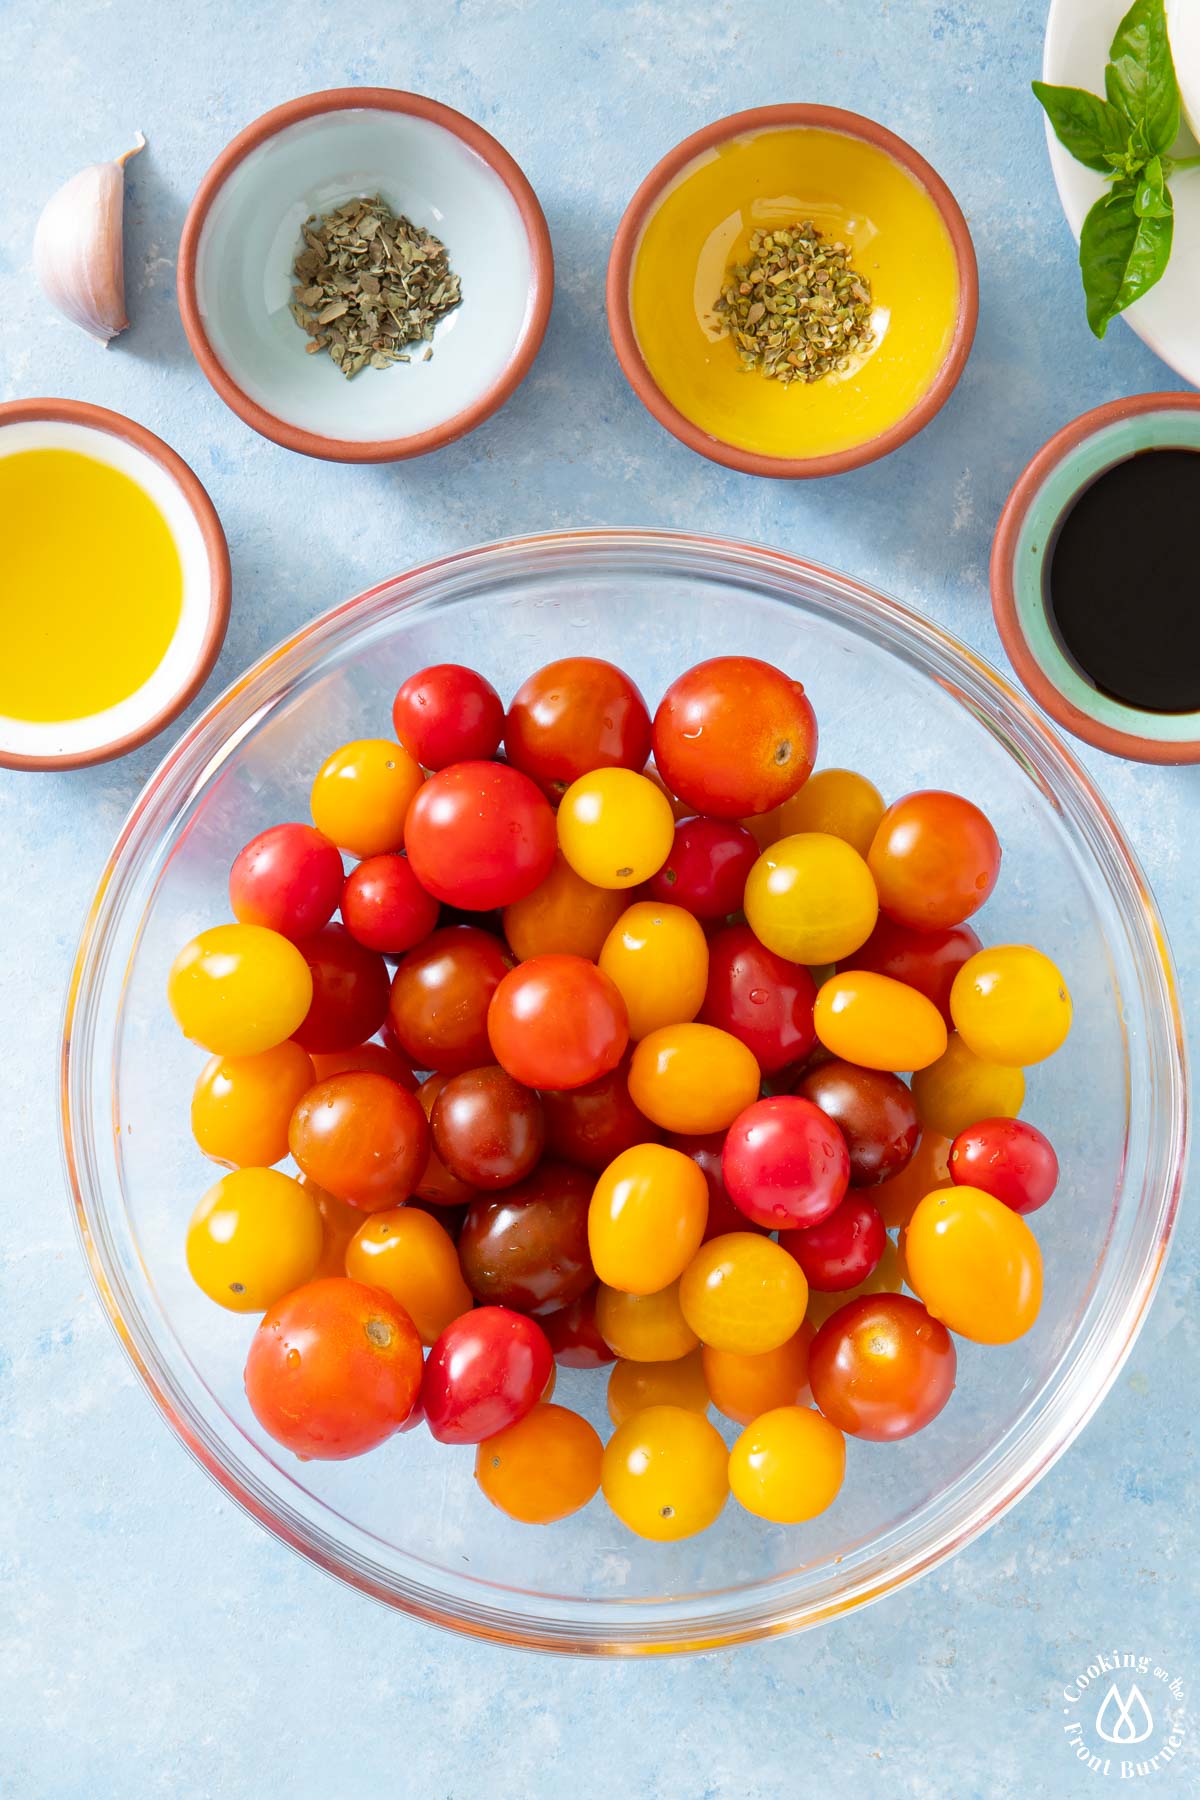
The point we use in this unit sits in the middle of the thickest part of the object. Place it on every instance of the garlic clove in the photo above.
(79, 244)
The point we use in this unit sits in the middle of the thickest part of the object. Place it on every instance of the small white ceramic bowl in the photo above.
(243, 231)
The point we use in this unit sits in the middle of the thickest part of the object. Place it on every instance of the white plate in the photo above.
(1078, 34)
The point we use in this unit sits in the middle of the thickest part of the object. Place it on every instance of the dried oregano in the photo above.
(370, 283)
(797, 310)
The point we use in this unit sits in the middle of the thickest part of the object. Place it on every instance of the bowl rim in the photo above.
(1009, 623)
(541, 282)
(196, 498)
(624, 249)
(769, 1609)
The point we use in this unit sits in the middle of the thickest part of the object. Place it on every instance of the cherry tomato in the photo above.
(760, 998)
(334, 1369)
(412, 1257)
(528, 1247)
(441, 992)
(706, 869)
(887, 1277)
(679, 808)
(574, 1335)
(788, 1465)
(735, 736)
(743, 1292)
(935, 859)
(362, 795)
(362, 1137)
(635, 1385)
(288, 878)
(706, 1151)
(925, 960)
(486, 1371)
(339, 1223)
(785, 1163)
(657, 956)
(437, 1185)
(385, 907)
(1006, 1158)
(960, 1088)
(480, 835)
(447, 714)
(255, 1235)
(373, 1059)
(564, 916)
(882, 1367)
(665, 1473)
(543, 1468)
(836, 801)
(743, 1387)
(877, 1022)
(975, 1264)
(1011, 1005)
(692, 1078)
(557, 1022)
(487, 1128)
(241, 1105)
(615, 828)
(239, 989)
(810, 898)
(644, 1327)
(841, 1251)
(593, 1124)
(349, 992)
(572, 717)
(646, 1219)
(929, 1169)
(875, 1113)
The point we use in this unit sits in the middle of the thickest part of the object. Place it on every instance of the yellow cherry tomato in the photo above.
(414, 1259)
(836, 801)
(975, 1264)
(886, 1277)
(239, 989)
(646, 1218)
(743, 1292)
(788, 1465)
(362, 794)
(811, 898)
(254, 1237)
(1011, 1005)
(635, 1385)
(242, 1105)
(543, 1468)
(665, 1473)
(743, 1387)
(644, 1328)
(339, 1223)
(877, 1022)
(960, 1088)
(928, 1169)
(565, 916)
(615, 828)
(693, 1078)
(658, 958)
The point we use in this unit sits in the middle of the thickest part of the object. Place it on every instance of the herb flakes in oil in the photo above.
(797, 310)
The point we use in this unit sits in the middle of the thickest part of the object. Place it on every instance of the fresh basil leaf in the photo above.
(1093, 131)
(1121, 256)
(1152, 201)
(1140, 77)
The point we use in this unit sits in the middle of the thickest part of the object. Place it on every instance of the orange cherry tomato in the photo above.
(239, 989)
(241, 1105)
(929, 1169)
(882, 1367)
(935, 859)
(665, 1473)
(880, 1023)
(557, 1021)
(658, 957)
(788, 1465)
(960, 1088)
(565, 916)
(635, 1385)
(255, 1235)
(644, 1327)
(647, 1217)
(411, 1257)
(975, 1263)
(734, 735)
(692, 1078)
(836, 801)
(743, 1387)
(543, 1468)
(362, 794)
(810, 898)
(362, 1137)
(339, 1222)
(679, 808)
(1011, 1005)
(739, 1293)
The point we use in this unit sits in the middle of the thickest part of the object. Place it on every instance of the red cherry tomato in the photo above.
(706, 870)
(288, 878)
(486, 1371)
(572, 717)
(362, 1138)
(574, 1336)
(334, 1369)
(706, 1151)
(385, 907)
(440, 997)
(875, 1113)
(447, 714)
(1008, 1159)
(480, 835)
(935, 859)
(843, 1249)
(925, 960)
(785, 1164)
(528, 1247)
(350, 992)
(881, 1368)
(734, 736)
(593, 1124)
(557, 1022)
(760, 998)
(374, 1059)
(487, 1128)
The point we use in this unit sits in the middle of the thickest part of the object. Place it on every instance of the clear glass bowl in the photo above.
(895, 698)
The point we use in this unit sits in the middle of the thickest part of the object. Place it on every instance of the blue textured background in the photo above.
(154, 1641)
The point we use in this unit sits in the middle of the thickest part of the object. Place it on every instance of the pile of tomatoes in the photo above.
(599, 1066)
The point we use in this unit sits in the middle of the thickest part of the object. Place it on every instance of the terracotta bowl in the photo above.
(1062, 468)
(240, 240)
(642, 208)
(111, 438)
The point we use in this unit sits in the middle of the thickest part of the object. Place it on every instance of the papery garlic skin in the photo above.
(79, 248)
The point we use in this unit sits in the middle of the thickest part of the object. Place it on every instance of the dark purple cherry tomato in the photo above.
(288, 878)
(590, 1125)
(785, 1164)
(1008, 1159)
(705, 1151)
(487, 1128)
(760, 998)
(446, 714)
(487, 1370)
(573, 1336)
(843, 1248)
(350, 991)
(707, 868)
(440, 998)
(925, 960)
(385, 907)
(528, 1247)
(875, 1113)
